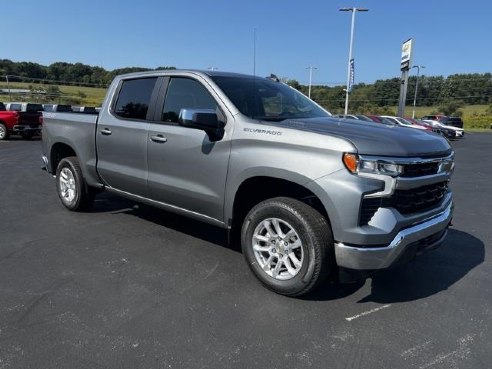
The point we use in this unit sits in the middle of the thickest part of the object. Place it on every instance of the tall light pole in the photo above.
(416, 88)
(347, 90)
(310, 78)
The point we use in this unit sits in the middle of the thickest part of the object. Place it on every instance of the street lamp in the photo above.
(310, 78)
(416, 88)
(353, 10)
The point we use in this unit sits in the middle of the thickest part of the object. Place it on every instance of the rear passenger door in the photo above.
(185, 169)
(122, 133)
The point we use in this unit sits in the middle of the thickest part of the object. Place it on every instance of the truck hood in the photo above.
(375, 138)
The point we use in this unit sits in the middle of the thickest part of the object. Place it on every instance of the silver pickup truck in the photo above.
(307, 194)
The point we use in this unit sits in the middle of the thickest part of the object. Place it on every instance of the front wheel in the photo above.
(288, 245)
(72, 190)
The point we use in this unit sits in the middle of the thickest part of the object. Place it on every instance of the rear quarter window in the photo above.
(134, 98)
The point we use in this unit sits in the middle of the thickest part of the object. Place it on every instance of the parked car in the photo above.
(343, 116)
(9, 121)
(435, 117)
(356, 116)
(447, 131)
(378, 119)
(422, 123)
(447, 121)
(452, 121)
(404, 123)
(364, 118)
(30, 117)
(306, 195)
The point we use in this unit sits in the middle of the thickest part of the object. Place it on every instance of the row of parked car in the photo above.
(450, 127)
(26, 118)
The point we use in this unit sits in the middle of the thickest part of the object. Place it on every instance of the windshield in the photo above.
(264, 99)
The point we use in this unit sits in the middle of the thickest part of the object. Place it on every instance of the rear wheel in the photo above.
(288, 245)
(72, 189)
(4, 133)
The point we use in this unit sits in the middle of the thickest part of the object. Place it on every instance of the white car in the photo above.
(403, 122)
(448, 131)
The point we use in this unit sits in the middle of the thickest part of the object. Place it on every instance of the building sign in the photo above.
(406, 55)
(352, 75)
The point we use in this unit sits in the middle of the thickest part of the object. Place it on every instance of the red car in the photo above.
(8, 121)
(378, 119)
(419, 123)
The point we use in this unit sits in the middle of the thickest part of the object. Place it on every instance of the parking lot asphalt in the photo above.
(129, 286)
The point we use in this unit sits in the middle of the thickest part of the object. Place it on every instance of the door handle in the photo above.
(158, 138)
(106, 131)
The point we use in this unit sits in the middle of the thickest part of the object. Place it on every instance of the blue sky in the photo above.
(449, 36)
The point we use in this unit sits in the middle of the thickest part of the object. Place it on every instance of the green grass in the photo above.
(468, 110)
(75, 95)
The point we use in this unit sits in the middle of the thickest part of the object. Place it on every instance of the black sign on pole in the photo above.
(406, 61)
(352, 75)
(406, 55)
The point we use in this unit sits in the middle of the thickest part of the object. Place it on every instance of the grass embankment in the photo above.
(75, 95)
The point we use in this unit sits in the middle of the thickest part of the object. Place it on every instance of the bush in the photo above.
(477, 121)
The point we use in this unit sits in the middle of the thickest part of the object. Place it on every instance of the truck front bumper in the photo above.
(428, 234)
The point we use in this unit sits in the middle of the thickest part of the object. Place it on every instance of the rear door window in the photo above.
(134, 98)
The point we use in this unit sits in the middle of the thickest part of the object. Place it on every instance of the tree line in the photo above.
(63, 73)
(453, 91)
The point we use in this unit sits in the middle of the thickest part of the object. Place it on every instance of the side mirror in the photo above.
(204, 119)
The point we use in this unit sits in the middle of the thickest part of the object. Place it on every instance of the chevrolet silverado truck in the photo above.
(30, 118)
(307, 194)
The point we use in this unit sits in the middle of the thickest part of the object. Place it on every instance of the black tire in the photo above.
(71, 187)
(315, 254)
(4, 132)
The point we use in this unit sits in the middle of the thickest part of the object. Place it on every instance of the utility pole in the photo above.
(416, 88)
(310, 78)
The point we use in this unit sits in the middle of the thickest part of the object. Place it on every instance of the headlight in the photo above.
(355, 164)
